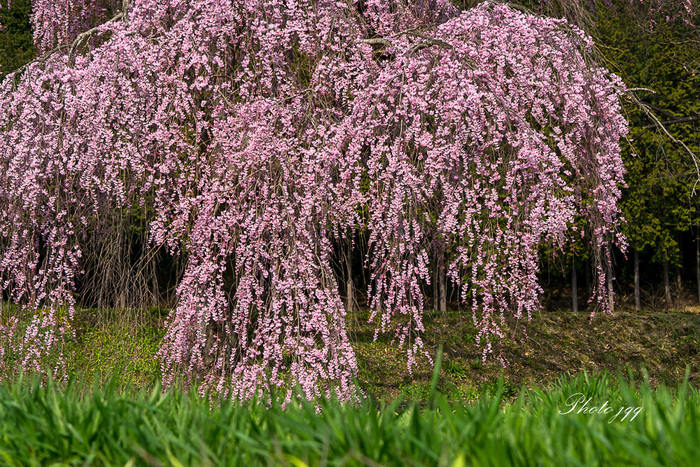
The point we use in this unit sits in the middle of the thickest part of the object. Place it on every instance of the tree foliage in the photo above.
(662, 60)
(16, 40)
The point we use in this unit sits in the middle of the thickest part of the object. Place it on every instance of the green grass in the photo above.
(122, 345)
(462, 412)
(78, 425)
(116, 349)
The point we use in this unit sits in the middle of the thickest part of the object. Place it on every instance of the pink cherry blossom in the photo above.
(261, 132)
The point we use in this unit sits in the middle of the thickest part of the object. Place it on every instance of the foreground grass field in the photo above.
(580, 421)
(464, 412)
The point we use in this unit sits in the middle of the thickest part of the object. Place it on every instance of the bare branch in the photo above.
(72, 46)
(662, 126)
(663, 111)
(429, 43)
(85, 35)
(378, 41)
(41, 59)
(673, 122)
(630, 90)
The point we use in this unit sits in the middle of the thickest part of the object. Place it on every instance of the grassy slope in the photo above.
(557, 343)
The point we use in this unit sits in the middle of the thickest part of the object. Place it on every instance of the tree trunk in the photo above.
(679, 277)
(667, 286)
(589, 282)
(442, 280)
(637, 297)
(574, 287)
(611, 298)
(697, 257)
(435, 282)
(349, 285)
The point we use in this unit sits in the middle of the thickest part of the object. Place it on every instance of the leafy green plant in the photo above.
(476, 364)
(455, 370)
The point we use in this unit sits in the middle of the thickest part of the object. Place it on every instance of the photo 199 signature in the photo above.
(579, 401)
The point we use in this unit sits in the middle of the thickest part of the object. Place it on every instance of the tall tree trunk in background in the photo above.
(679, 278)
(667, 286)
(611, 298)
(442, 279)
(574, 286)
(697, 257)
(589, 284)
(349, 285)
(637, 297)
(435, 282)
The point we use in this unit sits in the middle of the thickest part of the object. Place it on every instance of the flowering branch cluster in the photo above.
(7, 332)
(263, 131)
(58, 23)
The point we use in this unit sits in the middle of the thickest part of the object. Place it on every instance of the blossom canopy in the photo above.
(254, 135)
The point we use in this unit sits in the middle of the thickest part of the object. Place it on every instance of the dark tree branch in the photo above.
(673, 122)
(662, 126)
(86, 35)
(667, 122)
(427, 41)
(663, 111)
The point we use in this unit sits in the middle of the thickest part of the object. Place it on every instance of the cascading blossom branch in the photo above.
(262, 131)
(55, 23)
